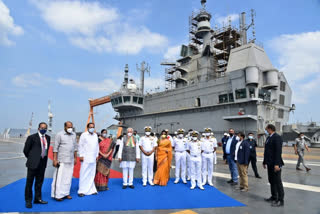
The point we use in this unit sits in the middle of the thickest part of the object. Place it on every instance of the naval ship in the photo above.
(222, 80)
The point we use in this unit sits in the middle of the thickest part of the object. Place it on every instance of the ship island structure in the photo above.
(222, 80)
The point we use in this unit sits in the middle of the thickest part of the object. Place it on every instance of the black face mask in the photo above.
(230, 134)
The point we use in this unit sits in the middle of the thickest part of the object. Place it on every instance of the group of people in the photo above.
(194, 158)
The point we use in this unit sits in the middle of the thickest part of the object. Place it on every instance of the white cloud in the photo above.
(172, 53)
(224, 20)
(298, 58)
(95, 27)
(28, 80)
(107, 85)
(7, 26)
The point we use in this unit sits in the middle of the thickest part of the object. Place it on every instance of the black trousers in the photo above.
(276, 186)
(38, 175)
(116, 151)
(253, 160)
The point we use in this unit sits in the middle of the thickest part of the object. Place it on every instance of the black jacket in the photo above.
(243, 153)
(224, 143)
(253, 145)
(32, 151)
(273, 151)
(233, 146)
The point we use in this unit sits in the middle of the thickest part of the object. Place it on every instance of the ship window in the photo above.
(116, 101)
(281, 99)
(241, 93)
(223, 98)
(252, 93)
(120, 100)
(140, 100)
(126, 99)
(282, 86)
(231, 98)
(135, 99)
(112, 101)
(198, 102)
(264, 94)
(280, 113)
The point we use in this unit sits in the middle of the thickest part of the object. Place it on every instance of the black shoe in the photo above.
(40, 202)
(80, 194)
(269, 199)
(131, 186)
(28, 205)
(234, 183)
(230, 181)
(308, 169)
(277, 204)
(124, 187)
(258, 176)
(298, 169)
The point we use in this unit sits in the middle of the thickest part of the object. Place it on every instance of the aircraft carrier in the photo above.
(222, 80)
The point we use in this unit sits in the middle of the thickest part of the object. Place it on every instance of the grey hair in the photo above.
(129, 129)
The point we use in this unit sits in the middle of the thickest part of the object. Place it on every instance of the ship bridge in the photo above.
(127, 101)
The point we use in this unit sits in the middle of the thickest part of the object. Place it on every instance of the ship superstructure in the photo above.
(222, 81)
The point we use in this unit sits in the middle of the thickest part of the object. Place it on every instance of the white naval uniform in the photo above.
(89, 150)
(208, 146)
(180, 146)
(188, 163)
(148, 144)
(195, 162)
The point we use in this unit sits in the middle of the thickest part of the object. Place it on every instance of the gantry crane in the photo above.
(97, 102)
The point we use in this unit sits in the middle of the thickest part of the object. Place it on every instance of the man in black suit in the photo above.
(253, 154)
(36, 151)
(273, 161)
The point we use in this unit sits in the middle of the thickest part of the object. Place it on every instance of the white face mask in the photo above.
(250, 137)
(180, 135)
(69, 130)
(91, 130)
(208, 134)
(302, 137)
(237, 138)
(194, 138)
(129, 134)
(104, 135)
(148, 133)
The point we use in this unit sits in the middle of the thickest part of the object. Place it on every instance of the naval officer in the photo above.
(147, 145)
(180, 146)
(194, 149)
(209, 147)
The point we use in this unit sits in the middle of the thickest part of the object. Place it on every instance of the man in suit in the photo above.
(230, 155)
(36, 151)
(253, 154)
(273, 161)
(224, 143)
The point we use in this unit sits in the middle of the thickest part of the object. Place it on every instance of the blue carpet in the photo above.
(173, 196)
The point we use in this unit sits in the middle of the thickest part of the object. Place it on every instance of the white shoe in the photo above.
(151, 183)
(184, 181)
(144, 184)
(188, 178)
(204, 183)
(192, 187)
(176, 181)
(211, 184)
(201, 187)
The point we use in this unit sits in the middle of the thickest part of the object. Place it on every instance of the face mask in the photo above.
(208, 134)
(237, 138)
(129, 134)
(230, 134)
(43, 131)
(250, 137)
(194, 138)
(148, 133)
(163, 136)
(180, 135)
(266, 132)
(69, 130)
(302, 137)
(104, 135)
(91, 130)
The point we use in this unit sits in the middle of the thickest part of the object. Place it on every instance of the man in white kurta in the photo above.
(147, 146)
(194, 149)
(64, 158)
(180, 147)
(129, 154)
(88, 153)
(208, 146)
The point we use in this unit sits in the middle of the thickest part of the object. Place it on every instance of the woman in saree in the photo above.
(163, 157)
(106, 147)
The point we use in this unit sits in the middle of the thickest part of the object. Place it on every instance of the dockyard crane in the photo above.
(97, 102)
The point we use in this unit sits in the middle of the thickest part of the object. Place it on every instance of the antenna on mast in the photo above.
(144, 68)
(203, 3)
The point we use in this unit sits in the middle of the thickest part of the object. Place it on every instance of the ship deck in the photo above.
(301, 189)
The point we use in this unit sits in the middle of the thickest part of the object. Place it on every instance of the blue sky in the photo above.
(48, 54)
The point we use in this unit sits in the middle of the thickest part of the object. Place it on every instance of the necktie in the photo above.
(43, 147)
